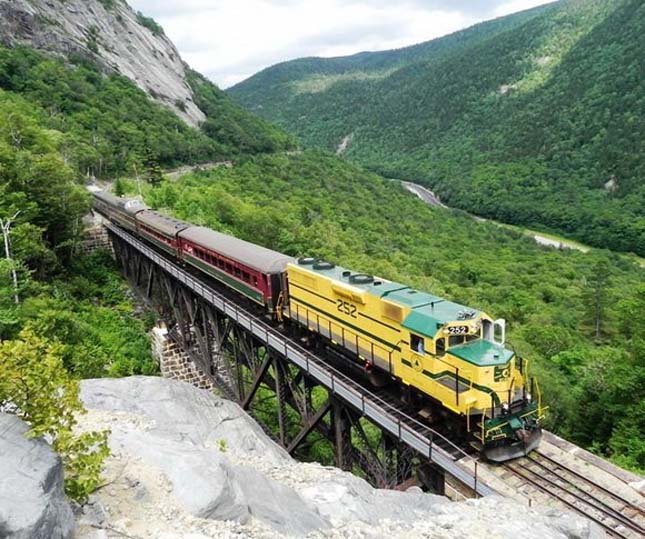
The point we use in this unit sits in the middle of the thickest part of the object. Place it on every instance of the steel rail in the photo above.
(596, 502)
(403, 427)
(551, 487)
(582, 477)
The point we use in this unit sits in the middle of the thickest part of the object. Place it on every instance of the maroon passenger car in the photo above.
(252, 270)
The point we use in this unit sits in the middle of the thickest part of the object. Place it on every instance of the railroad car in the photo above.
(161, 230)
(251, 270)
(120, 210)
(454, 354)
(451, 354)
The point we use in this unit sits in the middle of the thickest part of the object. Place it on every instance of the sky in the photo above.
(230, 40)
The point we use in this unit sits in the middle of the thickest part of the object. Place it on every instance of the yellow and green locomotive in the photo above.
(454, 355)
(449, 352)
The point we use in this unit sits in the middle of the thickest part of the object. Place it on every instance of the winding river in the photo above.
(551, 241)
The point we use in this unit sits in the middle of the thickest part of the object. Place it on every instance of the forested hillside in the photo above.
(60, 123)
(64, 121)
(577, 317)
(536, 119)
(108, 126)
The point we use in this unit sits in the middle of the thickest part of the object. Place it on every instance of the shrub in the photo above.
(150, 24)
(35, 385)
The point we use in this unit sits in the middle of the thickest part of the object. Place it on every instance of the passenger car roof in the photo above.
(130, 205)
(164, 224)
(254, 256)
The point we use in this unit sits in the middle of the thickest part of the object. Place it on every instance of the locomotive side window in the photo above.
(441, 346)
(417, 343)
(487, 326)
(499, 331)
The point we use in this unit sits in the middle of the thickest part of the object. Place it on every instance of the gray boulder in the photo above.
(32, 500)
(187, 463)
(347, 498)
(183, 413)
(191, 437)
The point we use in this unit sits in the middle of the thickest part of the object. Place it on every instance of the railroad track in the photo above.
(616, 515)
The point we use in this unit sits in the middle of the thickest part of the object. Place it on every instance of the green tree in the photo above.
(153, 172)
(119, 187)
(36, 386)
(597, 294)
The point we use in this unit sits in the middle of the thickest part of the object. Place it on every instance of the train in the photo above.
(455, 357)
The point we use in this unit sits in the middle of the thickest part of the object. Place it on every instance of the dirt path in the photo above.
(176, 173)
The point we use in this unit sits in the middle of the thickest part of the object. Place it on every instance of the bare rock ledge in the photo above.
(188, 464)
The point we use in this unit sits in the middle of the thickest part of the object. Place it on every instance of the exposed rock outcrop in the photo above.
(188, 464)
(32, 501)
(110, 34)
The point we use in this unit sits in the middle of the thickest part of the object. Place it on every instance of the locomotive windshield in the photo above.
(494, 331)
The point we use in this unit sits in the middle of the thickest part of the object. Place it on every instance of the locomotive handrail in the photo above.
(345, 334)
(369, 404)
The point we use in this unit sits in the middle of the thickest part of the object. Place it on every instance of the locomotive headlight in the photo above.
(505, 408)
(529, 397)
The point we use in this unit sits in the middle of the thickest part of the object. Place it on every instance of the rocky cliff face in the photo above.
(32, 502)
(109, 33)
(187, 464)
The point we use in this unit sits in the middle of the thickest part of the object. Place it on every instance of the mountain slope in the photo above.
(117, 90)
(536, 119)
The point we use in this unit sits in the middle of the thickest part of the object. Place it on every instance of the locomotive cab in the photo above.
(477, 376)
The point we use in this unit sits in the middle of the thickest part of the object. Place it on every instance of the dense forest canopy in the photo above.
(109, 126)
(576, 316)
(536, 119)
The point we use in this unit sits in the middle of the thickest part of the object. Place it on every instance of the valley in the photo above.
(543, 131)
